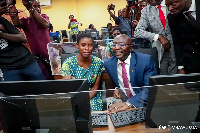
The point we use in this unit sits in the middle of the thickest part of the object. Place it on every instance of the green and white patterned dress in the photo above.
(70, 67)
(109, 48)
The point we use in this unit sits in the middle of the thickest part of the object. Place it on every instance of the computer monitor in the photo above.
(45, 105)
(88, 31)
(64, 34)
(173, 100)
(69, 47)
(94, 35)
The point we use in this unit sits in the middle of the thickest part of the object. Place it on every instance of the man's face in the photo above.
(142, 5)
(71, 16)
(176, 6)
(123, 12)
(154, 2)
(122, 53)
(115, 33)
(120, 13)
(36, 5)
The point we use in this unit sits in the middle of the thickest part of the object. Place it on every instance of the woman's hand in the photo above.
(68, 77)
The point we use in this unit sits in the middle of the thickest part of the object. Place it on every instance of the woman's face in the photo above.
(85, 47)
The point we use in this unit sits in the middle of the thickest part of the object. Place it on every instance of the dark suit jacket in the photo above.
(186, 38)
(141, 68)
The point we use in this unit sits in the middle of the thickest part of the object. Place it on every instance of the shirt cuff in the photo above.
(180, 67)
(156, 37)
(128, 102)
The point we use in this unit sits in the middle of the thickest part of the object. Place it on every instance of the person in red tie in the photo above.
(129, 69)
(153, 18)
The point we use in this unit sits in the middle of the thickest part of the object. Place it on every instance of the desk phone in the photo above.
(128, 117)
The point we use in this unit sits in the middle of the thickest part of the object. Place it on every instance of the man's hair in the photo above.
(84, 35)
(117, 29)
(143, 1)
(70, 16)
(109, 24)
(90, 26)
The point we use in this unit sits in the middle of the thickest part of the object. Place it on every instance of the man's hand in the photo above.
(181, 71)
(117, 107)
(27, 4)
(3, 9)
(135, 23)
(165, 42)
(108, 8)
(117, 95)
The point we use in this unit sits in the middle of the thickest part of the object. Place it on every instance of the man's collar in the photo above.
(162, 4)
(191, 9)
(127, 61)
(193, 6)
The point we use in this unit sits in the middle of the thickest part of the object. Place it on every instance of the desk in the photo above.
(136, 128)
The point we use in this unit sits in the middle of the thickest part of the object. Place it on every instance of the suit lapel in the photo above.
(167, 13)
(132, 68)
(114, 74)
(155, 13)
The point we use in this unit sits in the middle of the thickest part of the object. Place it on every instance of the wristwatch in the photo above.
(129, 104)
(31, 10)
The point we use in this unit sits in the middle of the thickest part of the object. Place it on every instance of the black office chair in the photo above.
(65, 56)
(140, 43)
(64, 33)
(150, 51)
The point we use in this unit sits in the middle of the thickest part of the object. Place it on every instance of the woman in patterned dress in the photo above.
(85, 65)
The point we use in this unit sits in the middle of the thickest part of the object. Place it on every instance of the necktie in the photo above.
(162, 16)
(191, 19)
(125, 80)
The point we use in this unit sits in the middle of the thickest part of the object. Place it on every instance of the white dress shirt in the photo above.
(192, 10)
(119, 73)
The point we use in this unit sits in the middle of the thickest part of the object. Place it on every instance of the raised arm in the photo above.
(111, 14)
(11, 33)
(34, 9)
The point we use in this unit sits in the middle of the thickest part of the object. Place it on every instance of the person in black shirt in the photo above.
(16, 61)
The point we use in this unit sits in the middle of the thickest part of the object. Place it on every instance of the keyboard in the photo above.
(129, 117)
(99, 119)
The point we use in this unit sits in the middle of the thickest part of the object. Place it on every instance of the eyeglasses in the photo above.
(122, 45)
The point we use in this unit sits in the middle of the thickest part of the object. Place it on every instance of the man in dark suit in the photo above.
(129, 69)
(184, 22)
(185, 28)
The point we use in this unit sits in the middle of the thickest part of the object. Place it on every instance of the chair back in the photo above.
(150, 51)
(65, 56)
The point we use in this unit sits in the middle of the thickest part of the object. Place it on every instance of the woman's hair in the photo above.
(70, 16)
(117, 29)
(90, 26)
(84, 35)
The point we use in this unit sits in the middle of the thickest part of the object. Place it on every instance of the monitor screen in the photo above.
(173, 100)
(69, 47)
(45, 106)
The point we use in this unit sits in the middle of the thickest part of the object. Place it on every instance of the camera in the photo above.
(132, 2)
(4, 4)
(112, 6)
